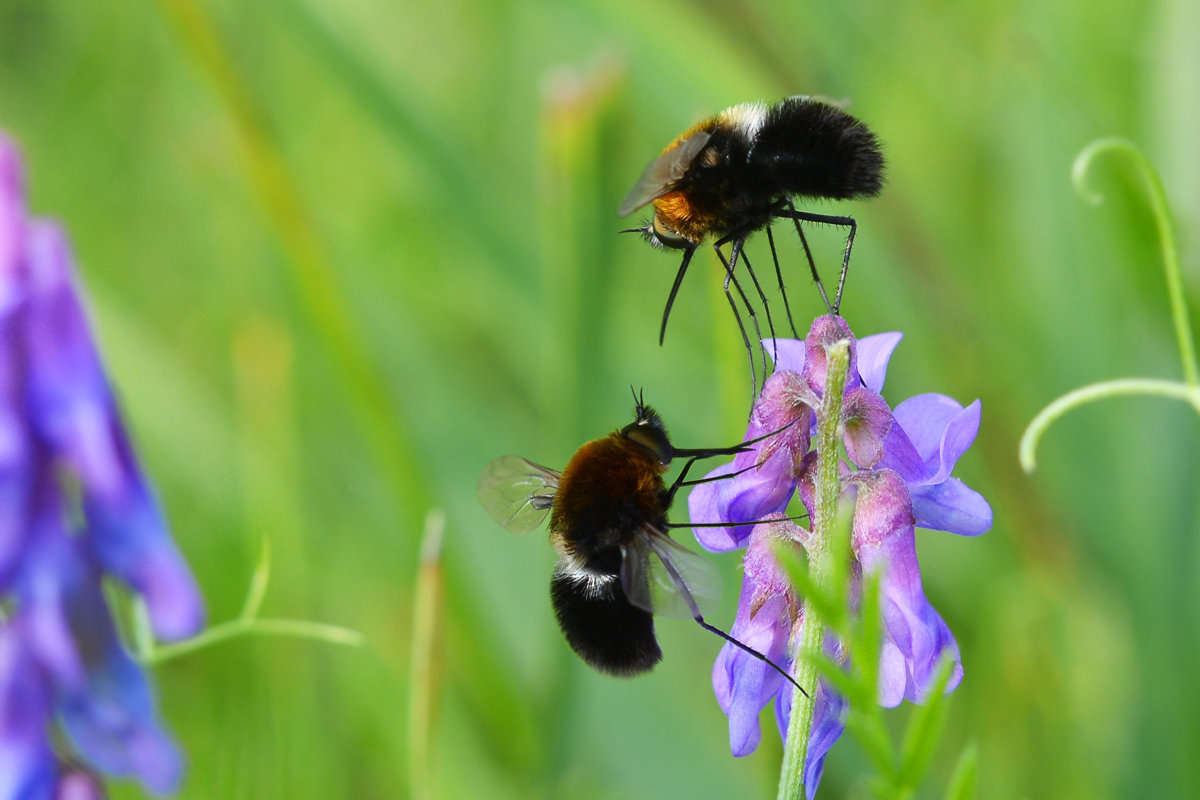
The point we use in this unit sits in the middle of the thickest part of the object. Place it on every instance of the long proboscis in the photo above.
(732, 450)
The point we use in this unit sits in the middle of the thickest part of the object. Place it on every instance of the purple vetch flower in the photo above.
(769, 614)
(898, 466)
(75, 508)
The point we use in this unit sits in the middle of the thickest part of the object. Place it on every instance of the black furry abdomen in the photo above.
(602, 627)
(813, 149)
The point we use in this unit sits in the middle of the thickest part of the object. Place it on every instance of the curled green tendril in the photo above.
(1189, 389)
(246, 623)
(1096, 391)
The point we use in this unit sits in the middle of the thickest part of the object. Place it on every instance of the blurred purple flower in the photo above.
(74, 509)
(898, 465)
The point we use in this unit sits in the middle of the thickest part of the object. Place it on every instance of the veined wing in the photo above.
(517, 493)
(661, 174)
(663, 577)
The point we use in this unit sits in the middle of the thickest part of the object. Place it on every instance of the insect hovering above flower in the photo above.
(735, 173)
(617, 567)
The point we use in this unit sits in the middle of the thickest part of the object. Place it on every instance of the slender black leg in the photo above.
(770, 322)
(677, 580)
(846, 222)
(738, 317)
(779, 277)
(687, 258)
(735, 252)
(680, 480)
(751, 651)
(739, 250)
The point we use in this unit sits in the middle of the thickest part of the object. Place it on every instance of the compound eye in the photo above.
(666, 236)
(651, 437)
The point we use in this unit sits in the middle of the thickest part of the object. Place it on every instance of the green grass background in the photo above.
(341, 255)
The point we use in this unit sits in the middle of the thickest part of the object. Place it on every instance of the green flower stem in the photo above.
(1096, 391)
(299, 628)
(425, 671)
(1166, 237)
(812, 632)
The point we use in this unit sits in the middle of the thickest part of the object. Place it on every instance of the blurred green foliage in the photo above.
(341, 255)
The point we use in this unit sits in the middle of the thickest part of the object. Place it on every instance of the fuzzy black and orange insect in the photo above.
(737, 172)
(617, 566)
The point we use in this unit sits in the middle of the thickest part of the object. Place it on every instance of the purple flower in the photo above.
(898, 467)
(74, 508)
(769, 613)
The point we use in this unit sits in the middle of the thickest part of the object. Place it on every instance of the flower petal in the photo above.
(79, 785)
(28, 766)
(885, 542)
(129, 537)
(108, 711)
(901, 455)
(951, 506)
(893, 674)
(743, 684)
(824, 333)
(12, 220)
(74, 410)
(710, 503)
(761, 480)
(866, 420)
(788, 353)
(874, 352)
(829, 721)
(69, 397)
(940, 429)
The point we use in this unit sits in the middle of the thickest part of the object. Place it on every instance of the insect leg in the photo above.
(752, 652)
(779, 277)
(737, 249)
(738, 239)
(767, 309)
(845, 222)
(729, 277)
(687, 258)
(677, 579)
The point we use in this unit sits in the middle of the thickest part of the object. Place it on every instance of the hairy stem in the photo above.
(812, 632)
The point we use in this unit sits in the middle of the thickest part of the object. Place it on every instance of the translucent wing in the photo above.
(663, 577)
(661, 174)
(517, 493)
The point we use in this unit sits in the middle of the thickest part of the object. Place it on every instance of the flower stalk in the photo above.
(812, 631)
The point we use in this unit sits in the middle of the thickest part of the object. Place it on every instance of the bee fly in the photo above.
(617, 566)
(737, 172)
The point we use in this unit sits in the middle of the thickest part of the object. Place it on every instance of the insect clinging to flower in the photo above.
(617, 566)
(738, 171)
